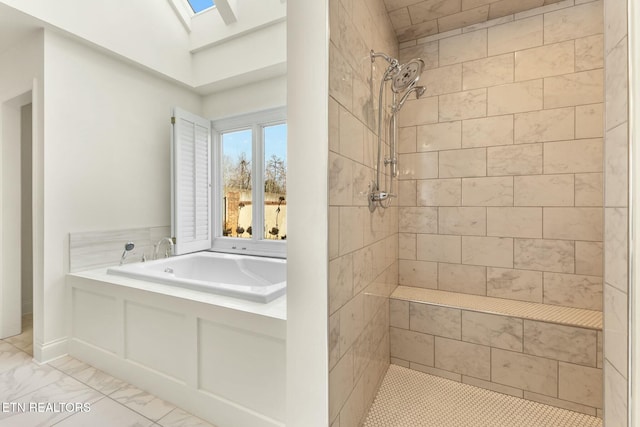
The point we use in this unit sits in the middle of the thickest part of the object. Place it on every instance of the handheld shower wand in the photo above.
(127, 248)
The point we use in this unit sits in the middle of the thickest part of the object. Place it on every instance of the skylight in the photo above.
(200, 5)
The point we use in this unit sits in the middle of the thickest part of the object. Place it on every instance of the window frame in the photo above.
(257, 244)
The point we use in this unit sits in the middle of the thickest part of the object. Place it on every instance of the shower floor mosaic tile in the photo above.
(408, 398)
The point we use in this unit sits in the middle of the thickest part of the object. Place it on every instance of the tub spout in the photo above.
(156, 247)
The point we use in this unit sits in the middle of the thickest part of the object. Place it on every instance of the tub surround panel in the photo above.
(95, 249)
(194, 354)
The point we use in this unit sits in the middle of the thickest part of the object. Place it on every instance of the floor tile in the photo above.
(18, 381)
(69, 365)
(106, 413)
(408, 398)
(142, 402)
(180, 418)
(97, 379)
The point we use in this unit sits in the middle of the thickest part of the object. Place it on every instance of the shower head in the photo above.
(407, 75)
(419, 90)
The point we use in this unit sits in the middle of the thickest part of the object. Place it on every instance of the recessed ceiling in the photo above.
(413, 19)
(14, 26)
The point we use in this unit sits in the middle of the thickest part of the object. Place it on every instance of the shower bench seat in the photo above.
(541, 352)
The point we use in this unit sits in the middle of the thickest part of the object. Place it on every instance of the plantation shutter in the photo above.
(191, 182)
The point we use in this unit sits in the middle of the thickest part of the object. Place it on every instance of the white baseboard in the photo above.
(46, 352)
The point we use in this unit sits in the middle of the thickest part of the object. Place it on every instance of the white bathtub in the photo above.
(247, 277)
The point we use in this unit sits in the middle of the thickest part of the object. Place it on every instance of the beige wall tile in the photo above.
(428, 52)
(334, 125)
(462, 19)
(400, 18)
(417, 166)
(615, 391)
(351, 136)
(334, 339)
(340, 78)
(615, 327)
(351, 229)
(417, 31)
(519, 285)
(616, 167)
(544, 190)
(406, 140)
(517, 35)
(406, 246)
(440, 248)
(559, 342)
(488, 24)
(590, 121)
(495, 191)
(545, 61)
(514, 222)
(617, 85)
(615, 244)
(582, 155)
(574, 22)
(515, 97)
(363, 268)
(512, 391)
(615, 12)
(492, 71)
(585, 87)
(411, 346)
(468, 279)
(487, 131)
(508, 7)
(544, 255)
(400, 362)
(340, 384)
(440, 136)
(418, 220)
(492, 330)
(462, 163)
(334, 232)
(529, 373)
(524, 159)
(589, 258)
(580, 384)
(590, 52)
(573, 223)
(399, 313)
(570, 406)
(419, 112)
(589, 189)
(439, 192)
(421, 274)
(362, 177)
(469, 221)
(439, 81)
(340, 180)
(351, 322)
(426, 10)
(464, 358)
(572, 290)
(544, 125)
(463, 105)
(407, 193)
(435, 320)
(489, 251)
(464, 47)
(437, 372)
(340, 282)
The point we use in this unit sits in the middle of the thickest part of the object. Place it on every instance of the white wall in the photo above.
(21, 72)
(145, 31)
(26, 212)
(106, 155)
(262, 95)
(307, 182)
(257, 55)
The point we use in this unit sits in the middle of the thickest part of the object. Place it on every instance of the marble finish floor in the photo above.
(113, 402)
(409, 398)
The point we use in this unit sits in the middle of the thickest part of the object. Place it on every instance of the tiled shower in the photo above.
(513, 185)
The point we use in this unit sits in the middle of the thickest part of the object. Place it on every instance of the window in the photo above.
(199, 5)
(250, 190)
